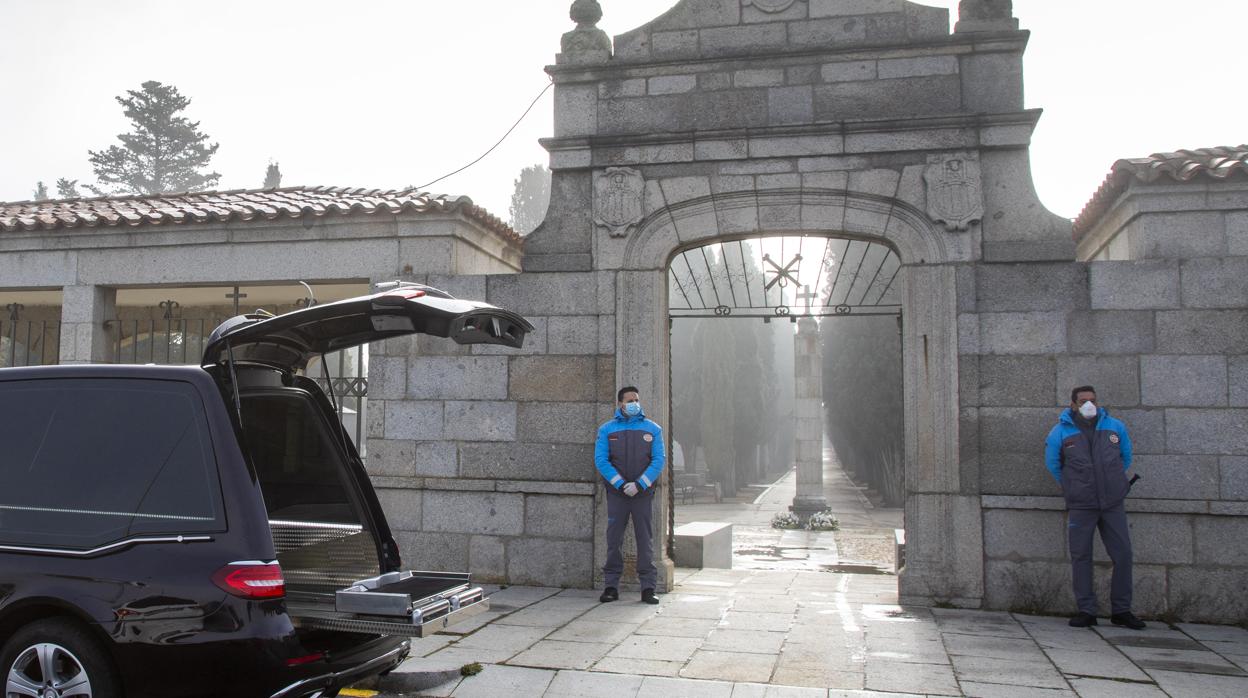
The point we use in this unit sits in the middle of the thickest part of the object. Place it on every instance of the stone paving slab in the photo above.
(1102, 688)
(730, 666)
(800, 634)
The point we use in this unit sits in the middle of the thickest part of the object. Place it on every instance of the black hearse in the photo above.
(211, 531)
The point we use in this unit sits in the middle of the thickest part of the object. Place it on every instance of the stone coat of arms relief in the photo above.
(954, 191)
(769, 5)
(618, 193)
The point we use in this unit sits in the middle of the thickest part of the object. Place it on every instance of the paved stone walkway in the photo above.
(737, 633)
(864, 543)
(789, 622)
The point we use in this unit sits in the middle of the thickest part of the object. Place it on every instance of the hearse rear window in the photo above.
(88, 462)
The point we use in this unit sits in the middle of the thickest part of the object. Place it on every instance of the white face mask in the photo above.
(1088, 410)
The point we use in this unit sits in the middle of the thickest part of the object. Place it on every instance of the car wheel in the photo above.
(57, 658)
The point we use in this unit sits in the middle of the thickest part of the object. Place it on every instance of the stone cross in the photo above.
(807, 296)
(236, 296)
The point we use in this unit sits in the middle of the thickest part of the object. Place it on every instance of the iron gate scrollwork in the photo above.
(782, 276)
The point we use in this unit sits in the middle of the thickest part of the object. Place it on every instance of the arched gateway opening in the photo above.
(944, 529)
(786, 414)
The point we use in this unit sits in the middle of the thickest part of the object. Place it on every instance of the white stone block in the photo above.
(702, 544)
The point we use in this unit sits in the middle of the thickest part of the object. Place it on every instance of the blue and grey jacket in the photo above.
(1092, 472)
(630, 449)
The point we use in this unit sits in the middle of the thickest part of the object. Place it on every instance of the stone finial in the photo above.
(587, 43)
(586, 14)
(986, 16)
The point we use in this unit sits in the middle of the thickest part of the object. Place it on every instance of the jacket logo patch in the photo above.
(648, 438)
(1113, 438)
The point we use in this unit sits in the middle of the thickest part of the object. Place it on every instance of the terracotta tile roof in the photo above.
(237, 205)
(1183, 166)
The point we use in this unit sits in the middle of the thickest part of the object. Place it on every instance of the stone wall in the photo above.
(1166, 345)
(483, 456)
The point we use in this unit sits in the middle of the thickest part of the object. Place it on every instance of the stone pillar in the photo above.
(808, 391)
(85, 338)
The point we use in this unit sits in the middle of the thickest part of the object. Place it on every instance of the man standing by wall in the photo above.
(630, 456)
(1088, 453)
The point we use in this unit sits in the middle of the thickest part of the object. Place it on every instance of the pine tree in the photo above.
(164, 152)
(272, 176)
(67, 188)
(530, 198)
(41, 192)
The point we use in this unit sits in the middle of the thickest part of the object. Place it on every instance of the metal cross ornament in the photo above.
(781, 275)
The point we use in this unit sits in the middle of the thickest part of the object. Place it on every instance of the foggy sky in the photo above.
(389, 93)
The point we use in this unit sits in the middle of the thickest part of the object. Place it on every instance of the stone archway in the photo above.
(945, 542)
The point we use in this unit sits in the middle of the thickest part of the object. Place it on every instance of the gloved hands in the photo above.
(630, 489)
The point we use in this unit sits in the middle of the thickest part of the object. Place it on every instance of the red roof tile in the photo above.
(237, 205)
(1183, 166)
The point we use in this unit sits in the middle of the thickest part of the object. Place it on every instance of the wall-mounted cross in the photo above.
(236, 296)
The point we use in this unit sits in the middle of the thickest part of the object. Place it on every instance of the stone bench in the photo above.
(702, 544)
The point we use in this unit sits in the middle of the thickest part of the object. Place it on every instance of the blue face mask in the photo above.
(632, 409)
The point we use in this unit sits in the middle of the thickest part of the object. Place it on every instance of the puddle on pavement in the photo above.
(1189, 667)
(853, 569)
(1161, 643)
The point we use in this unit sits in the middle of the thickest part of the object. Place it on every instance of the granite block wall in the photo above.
(484, 455)
(1163, 341)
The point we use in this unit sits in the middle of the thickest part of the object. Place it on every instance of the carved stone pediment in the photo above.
(618, 193)
(954, 191)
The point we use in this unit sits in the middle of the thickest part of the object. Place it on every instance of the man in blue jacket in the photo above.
(1088, 453)
(630, 456)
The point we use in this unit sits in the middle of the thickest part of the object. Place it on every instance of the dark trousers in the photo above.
(619, 511)
(1112, 523)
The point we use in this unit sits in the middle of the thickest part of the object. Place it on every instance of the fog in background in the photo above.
(394, 93)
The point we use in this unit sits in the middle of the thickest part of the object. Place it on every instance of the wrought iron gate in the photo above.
(28, 342)
(772, 277)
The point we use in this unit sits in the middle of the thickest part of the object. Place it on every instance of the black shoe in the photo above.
(609, 594)
(1083, 620)
(1128, 620)
(647, 596)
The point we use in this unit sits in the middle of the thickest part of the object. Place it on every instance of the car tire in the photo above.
(80, 664)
